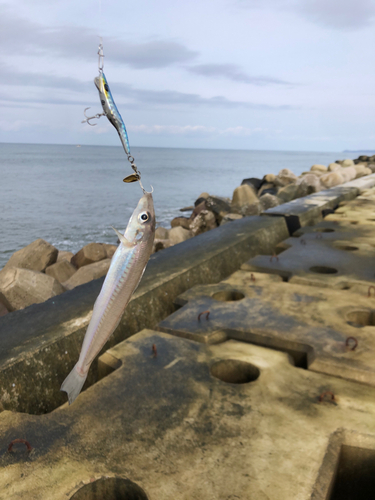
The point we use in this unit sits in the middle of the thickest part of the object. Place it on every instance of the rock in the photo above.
(180, 221)
(371, 166)
(218, 206)
(363, 158)
(187, 209)
(36, 256)
(347, 163)
(348, 173)
(332, 179)
(178, 235)
(229, 218)
(109, 250)
(3, 309)
(285, 177)
(289, 193)
(310, 183)
(269, 178)
(61, 271)
(252, 209)
(204, 221)
(20, 288)
(88, 273)
(93, 252)
(160, 245)
(361, 170)
(332, 167)
(198, 209)
(253, 182)
(243, 195)
(201, 198)
(318, 168)
(161, 233)
(371, 158)
(63, 255)
(268, 188)
(269, 201)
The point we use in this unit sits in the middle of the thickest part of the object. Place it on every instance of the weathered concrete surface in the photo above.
(49, 336)
(87, 273)
(171, 427)
(61, 270)
(310, 323)
(308, 210)
(36, 256)
(93, 252)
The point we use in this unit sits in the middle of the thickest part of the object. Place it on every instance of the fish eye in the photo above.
(144, 216)
(106, 87)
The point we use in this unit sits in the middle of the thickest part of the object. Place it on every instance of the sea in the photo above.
(70, 195)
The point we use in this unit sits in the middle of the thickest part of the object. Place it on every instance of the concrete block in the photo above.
(93, 252)
(61, 270)
(36, 256)
(88, 273)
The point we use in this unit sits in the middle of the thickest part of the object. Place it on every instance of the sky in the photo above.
(292, 75)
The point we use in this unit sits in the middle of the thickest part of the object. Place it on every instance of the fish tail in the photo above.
(73, 384)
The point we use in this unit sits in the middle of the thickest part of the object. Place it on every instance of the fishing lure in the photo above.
(126, 270)
(112, 113)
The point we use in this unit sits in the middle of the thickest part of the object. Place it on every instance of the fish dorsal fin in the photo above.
(122, 238)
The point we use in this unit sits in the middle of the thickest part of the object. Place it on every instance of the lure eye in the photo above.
(106, 87)
(144, 216)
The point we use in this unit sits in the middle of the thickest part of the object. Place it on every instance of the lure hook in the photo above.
(88, 118)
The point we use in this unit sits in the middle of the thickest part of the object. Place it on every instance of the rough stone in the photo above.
(244, 195)
(36, 256)
(20, 288)
(201, 206)
(61, 270)
(285, 177)
(363, 158)
(332, 179)
(87, 273)
(252, 209)
(332, 167)
(347, 163)
(161, 233)
(160, 244)
(64, 255)
(3, 309)
(290, 192)
(204, 221)
(109, 250)
(371, 166)
(253, 182)
(178, 235)
(269, 201)
(230, 217)
(268, 188)
(269, 178)
(93, 252)
(218, 206)
(318, 168)
(180, 221)
(310, 183)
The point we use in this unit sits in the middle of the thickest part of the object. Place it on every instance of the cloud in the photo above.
(132, 97)
(337, 14)
(24, 37)
(192, 130)
(233, 72)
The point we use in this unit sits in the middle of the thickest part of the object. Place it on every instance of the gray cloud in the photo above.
(233, 72)
(131, 97)
(337, 14)
(22, 36)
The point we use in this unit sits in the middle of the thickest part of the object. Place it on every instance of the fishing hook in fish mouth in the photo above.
(88, 118)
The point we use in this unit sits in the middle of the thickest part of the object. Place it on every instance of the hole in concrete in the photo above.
(228, 295)
(347, 248)
(361, 318)
(323, 270)
(325, 230)
(110, 488)
(234, 371)
(355, 478)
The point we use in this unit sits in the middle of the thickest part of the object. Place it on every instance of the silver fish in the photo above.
(126, 270)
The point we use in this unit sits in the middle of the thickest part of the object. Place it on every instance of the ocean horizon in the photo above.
(70, 196)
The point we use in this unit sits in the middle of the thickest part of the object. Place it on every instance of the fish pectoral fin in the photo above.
(122, 238)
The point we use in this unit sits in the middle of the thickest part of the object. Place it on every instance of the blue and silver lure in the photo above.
(112, 113)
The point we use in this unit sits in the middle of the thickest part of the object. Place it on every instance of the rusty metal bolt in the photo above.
(353, 348)
(15, 441)
(207, 313)
(326, 393)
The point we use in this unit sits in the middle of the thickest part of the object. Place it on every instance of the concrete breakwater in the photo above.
(260, 384)
(39, 271)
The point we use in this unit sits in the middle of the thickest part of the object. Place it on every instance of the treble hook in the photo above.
(88, 118)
